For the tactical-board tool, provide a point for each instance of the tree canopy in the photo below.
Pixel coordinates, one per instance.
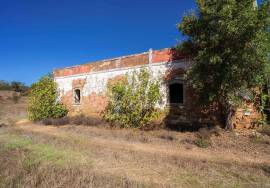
(229, 41)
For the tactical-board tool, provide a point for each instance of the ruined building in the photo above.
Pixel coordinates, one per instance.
(82, 88)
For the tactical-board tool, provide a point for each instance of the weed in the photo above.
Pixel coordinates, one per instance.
(204, 133)
(258, 139)
(16, 143)
(47, 154)
(41, 153)
(202, 143)
(265, 130)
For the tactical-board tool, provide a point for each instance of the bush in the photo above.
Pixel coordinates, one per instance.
(43, 101)
(133, 100)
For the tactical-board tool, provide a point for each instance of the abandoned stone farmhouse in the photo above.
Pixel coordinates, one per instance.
(82, 88)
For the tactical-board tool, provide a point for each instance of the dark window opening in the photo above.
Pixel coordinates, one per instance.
(77, 96)
(176, 91)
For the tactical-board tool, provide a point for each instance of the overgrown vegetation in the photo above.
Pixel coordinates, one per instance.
(230, 41)
(133, 100)
(43, 102)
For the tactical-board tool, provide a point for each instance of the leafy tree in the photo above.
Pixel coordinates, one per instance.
(133, 100)
(43, 102)
(229, 42)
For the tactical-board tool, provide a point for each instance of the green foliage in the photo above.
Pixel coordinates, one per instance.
(202, 143)
(257, 139)
(43, 101)
(132, 101)
(229, 41)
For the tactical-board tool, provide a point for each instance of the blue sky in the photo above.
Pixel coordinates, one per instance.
(37, 36)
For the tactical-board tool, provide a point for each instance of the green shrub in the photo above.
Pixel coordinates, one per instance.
(43, 101)
(133, 100)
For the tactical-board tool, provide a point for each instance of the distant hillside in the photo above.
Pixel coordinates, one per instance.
(14, 86)
(13, 107)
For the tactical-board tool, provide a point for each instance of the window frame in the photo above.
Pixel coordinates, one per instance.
(74, 94)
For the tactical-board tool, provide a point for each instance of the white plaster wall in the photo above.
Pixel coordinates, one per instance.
(97, 81)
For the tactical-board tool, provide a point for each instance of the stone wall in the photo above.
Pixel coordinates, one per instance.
(92, 80)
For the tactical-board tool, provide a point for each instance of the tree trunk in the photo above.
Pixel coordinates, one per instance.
(229, 119)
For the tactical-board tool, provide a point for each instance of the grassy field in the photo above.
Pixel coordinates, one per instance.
(34, 155)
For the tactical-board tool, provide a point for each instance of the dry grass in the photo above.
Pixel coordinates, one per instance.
(33, 155)
(75, 120)
(10, 111)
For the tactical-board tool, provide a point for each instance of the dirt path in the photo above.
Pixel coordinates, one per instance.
(125, 157)
(158, 161)
(152, 148)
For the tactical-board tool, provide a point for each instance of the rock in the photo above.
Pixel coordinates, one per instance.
(2, 125)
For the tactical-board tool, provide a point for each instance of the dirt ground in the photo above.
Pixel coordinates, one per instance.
(34, 155)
